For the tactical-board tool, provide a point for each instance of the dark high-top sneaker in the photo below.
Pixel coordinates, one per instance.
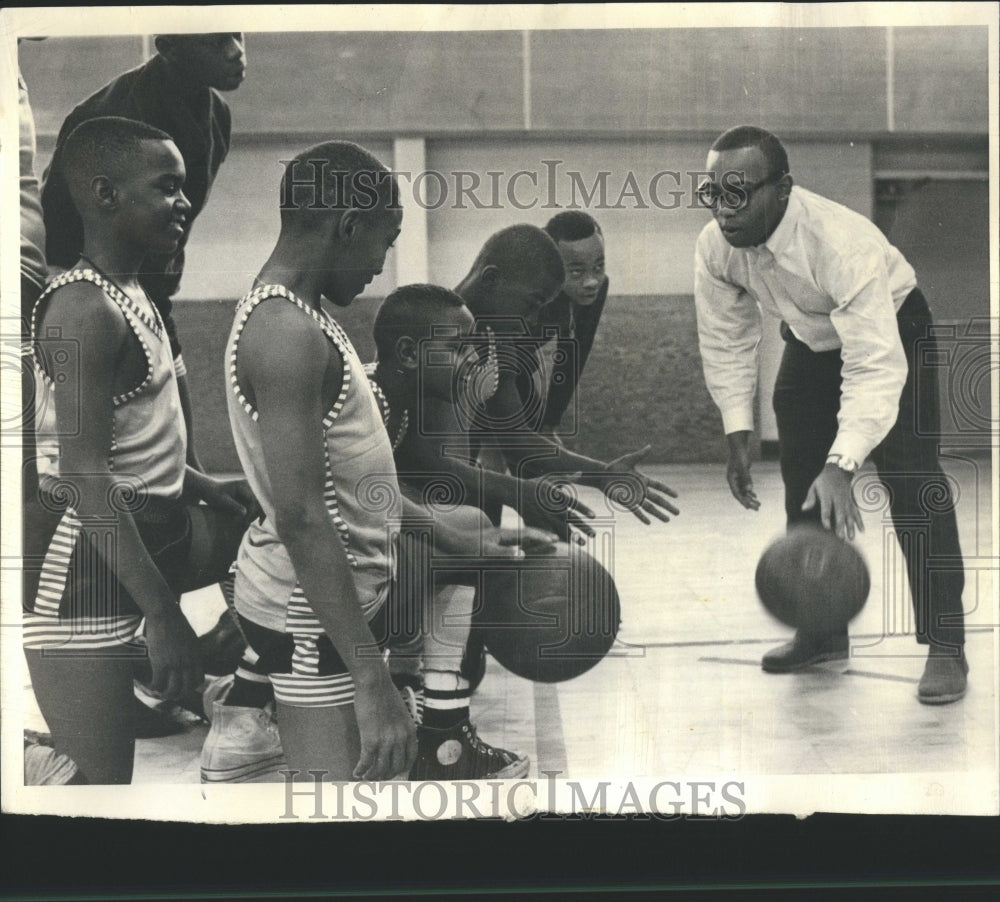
(457, 753)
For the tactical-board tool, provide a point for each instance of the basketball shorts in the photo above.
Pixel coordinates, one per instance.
(72, 598)
(304, 668)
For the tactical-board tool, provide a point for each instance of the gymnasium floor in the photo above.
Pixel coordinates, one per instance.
(683, 693)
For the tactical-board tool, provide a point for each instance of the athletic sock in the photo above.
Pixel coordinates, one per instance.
(249, 690)
(446, 699)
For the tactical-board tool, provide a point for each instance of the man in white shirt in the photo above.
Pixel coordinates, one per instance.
(848, 387)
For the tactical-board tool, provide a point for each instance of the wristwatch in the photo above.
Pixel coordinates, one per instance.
(847, 464)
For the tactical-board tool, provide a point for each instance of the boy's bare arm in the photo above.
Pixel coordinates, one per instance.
(283, 365)
(525, 450)
(618, 479)
(467, 533)
(546, 507)
(188, 414)
(85, 414)
(232, 495)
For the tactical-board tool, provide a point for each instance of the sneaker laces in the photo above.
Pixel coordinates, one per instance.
(481, 747)
(267, 716)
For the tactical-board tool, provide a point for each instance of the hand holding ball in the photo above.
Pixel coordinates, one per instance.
(550, 618)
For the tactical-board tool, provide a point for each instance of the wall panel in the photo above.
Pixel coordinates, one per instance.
(395, 82)
(941, 79)
(61, 72)
(808, 79)
(650, 250)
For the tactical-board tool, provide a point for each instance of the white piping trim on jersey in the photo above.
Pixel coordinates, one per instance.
(129, 309)
(383, 401)
(384, 409)
(341, 342)
(331, 329)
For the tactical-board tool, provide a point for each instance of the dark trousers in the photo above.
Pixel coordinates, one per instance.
(806, 402)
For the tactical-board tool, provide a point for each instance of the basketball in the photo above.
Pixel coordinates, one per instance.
(550, 618)
(812, 580)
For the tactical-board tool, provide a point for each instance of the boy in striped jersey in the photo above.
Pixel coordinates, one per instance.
(426, 371)
(314, 575)
(126, 532)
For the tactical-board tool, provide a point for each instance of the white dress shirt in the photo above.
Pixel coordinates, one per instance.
(832, 276)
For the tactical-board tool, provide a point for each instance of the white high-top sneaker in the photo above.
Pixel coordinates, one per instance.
(242, 746)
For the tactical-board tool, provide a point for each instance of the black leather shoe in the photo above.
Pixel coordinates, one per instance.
(804, 651)
(945, 678)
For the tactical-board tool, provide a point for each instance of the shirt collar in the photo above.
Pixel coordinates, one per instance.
(781, 236)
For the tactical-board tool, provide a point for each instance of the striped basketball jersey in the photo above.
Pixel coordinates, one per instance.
(360, 491)
(146, 457)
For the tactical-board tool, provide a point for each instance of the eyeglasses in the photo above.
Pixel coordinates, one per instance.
(733, 196)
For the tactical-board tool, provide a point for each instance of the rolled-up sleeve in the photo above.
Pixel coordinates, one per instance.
(874, 363)
(729, 332)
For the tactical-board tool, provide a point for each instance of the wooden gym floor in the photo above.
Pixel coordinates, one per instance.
(682, 694)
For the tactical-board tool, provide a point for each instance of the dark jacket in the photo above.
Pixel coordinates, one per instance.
(572, 353)
(200, 124)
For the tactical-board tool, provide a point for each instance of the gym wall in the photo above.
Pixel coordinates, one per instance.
(859, 108)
